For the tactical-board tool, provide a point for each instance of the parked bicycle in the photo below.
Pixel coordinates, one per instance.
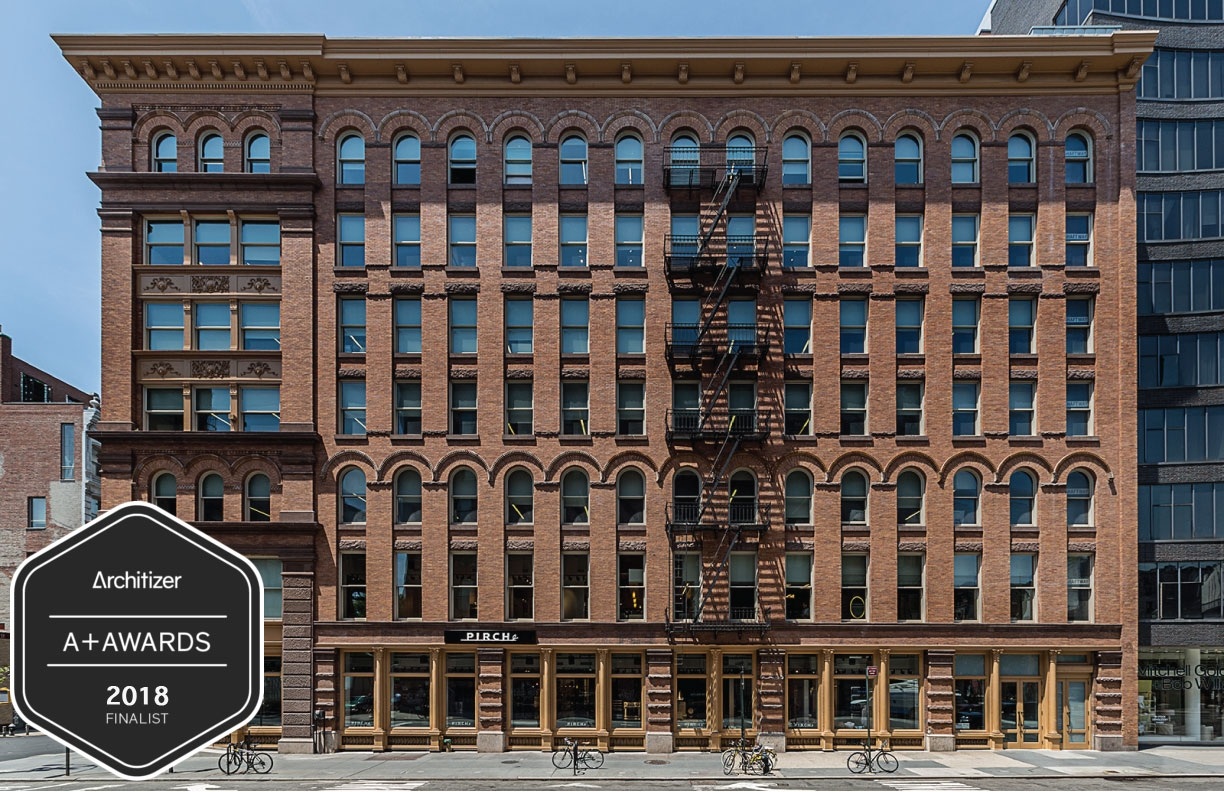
(872, 760)
(749, 759)
(243, 758)
(577, 756)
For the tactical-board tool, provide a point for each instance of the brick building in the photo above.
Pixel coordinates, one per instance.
(607, 495)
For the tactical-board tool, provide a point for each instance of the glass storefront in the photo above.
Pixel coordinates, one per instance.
(1181, 695)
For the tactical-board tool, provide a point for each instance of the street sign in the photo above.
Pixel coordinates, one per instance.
(873, 670)
(137, 640)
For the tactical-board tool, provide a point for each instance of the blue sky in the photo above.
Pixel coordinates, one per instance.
(49, 267)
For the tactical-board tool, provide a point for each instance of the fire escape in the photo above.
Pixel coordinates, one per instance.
(717, 345)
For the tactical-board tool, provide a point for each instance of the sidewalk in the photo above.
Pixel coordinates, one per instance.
(535, 766)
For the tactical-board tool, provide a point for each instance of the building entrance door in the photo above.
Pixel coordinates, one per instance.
(1021, 713)
(1072, 712)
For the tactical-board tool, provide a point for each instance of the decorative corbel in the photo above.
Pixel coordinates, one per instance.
(966, 71)
(150, 69)
(108, 69)
(907, 74)
(457, 70)
(795, 72)
(216, 70)
(239, 70)
(1132, 68)
(193, 70)
(285, 72)
(571, 73)
(626, 73)
(87, 70)
(261, 69)
(171, 69)
(308, 71)
(851, 72)
(129, 69)
(345, 77)
(401, 73)
(682, 74)
(739, 74)
(1081, 72)
(1022, 74)
(516, 74)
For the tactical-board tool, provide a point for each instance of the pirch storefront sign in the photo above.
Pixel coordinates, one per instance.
(490, 636)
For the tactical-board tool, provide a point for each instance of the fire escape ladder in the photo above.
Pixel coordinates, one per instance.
(723, 194)
(728, 539)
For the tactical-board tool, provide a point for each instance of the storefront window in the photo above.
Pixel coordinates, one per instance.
(802, 691)
(359, 689)
(737, 691)
(904, 685)
(270, 711)
(970, 674)
(525, 690)
(575, 690)
(410, 690)
(690, 691)
(851, 703)
(461, 690)
(626, 691)
(1181, 695)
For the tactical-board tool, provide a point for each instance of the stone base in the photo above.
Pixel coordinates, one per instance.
(490, 742)
(295, 745)
(1110, 743)
(940, 742)
(775, 740)
(660, 742)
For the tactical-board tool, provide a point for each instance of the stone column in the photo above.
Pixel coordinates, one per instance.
(298, 668)
(883, 700)
(659, 697)
(603, 697)
(490, 695)
(825, 704)
(993, 706)
(1193, 699)
(941, 700)
(437, 698)
(1052, 736)
(382, 710)
(1107, 705)
(548, 683)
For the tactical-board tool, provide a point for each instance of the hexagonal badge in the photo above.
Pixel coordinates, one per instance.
(137, 640)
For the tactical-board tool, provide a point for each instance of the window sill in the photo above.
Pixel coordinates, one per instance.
(1030, 271)
(351, 438)
(854, 439)
(519, 439)
(912, 440)
(413, 272)
(911, 358)
(1025, 440)
(968, 272)
(1023, 357)
(967, 358)
(519, 272)
(575, 439)
(800, 438)
(349, 271)
(801, 358)
(633, 439)
(451, 269)
(968, 440)
(407, 437)
(36, 527)
(574, 271)
(463, 438)
(1087, 440)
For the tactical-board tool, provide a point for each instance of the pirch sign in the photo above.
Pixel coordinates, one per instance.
(490, 636)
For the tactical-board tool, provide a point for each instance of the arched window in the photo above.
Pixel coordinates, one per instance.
(408, 497)
(350, 160)
(211, 507)
(851, 158)
(686, 497)
(463, 496)
(964, 159)
(966, 491)
(911, 495)
(907, 159)
(1079, 498)
(1022, 491)
(212, 154)
(854, 499)
(463, 160)
(258, 497)
(575, 498)
(520, 498)
(408, 160)
(258, 157)
(798, 498)
(743, 496)
(1079, 158)
(684, 160)
(741, 154)
(630, 498)
(574, 160)
(629, 156)
(1020, 164)
(352, 496)
(165, 492)
(796, 160)
(518, 160)
(165, 153)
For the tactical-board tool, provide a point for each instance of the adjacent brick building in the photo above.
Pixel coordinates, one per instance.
(606, 493)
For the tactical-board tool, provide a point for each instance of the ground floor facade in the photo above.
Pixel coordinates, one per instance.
(1181, 694)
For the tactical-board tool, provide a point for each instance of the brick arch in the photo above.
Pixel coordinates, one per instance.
(569, 459)
(247, 466)
(456, 122)
(344, 120)
(975, 121)
(910, 459)
(203, 463)
(915, 120)
(568, 120)
(197, 123)
(442, 470)
(248, 120)
(510, 120)
(1021, 459)
(625, 120)
(152, 123)
(349, 457)
(397, 121)
(1086, 459)
(1026, 119)
(685, 120)
(612, 468)
(151, 467)
(510, 458)
(972, 459)
(860, 120)
(799, 120)
(752, 122)
(805, 460)
(680, 461)
(853, 459)
(400, 458)
(1090, 121)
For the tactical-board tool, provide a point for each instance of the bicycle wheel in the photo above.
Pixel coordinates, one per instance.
(857, 762)
(728, 761)
(261, 763)
(592, 758)
(562, 758)
(772, 755)
(229, 763)
(886, 762)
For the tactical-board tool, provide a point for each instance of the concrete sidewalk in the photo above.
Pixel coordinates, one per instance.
(535, 766)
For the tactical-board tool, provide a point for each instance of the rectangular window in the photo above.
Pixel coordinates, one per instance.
(461, 236)
(853, 316)
(965, 409)
(1079, 325)
(910, 311)
(259, 409)
(1079, 409)
(686, 585)
(353, 407)
(799, 586)
(631, 408)
(516, 230)
(353, 325)
(630, 326)
(261, 243)
(1020, 240)
(575, 408)
(519, 408)
(164, 243)
(1023, 587)
(164, 409)
(965, 240)
(352, 585)
(964, 325)
(573, 240)
(798, 408)
(408, 586)
(408, 325)
(67, 452)
(628, 240)
(575, 326)
(212, 242)
(852, 241)
(741, 240)
(911, 588)
(797, 326)
(1021, 422)
(520, 586)
(1079, 240)
(854, 586)
(1079, 587)
(519, 326)
(164, 326)
(909, 409)
(212, 410)
(742, 575)
(970, 674)
(462, 326)
(796, 240)
(211, 326)
(271, 573)
(965, 567)
(908, 252)
(350, 236)
(463, 408)
(259, 325)
(463, 586)
(575, 586)
(854, 408)
(36, 512)
(1021, 315)
(408, 408)
(631, 586)
(408, 240)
